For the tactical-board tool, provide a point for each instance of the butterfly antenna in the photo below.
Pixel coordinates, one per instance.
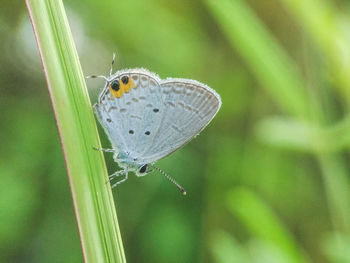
(97, 76)
(169, 178)
(112, 64)
(101, 76)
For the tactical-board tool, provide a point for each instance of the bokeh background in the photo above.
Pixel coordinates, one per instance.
(267, 180)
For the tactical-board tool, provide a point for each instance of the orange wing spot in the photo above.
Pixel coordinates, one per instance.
(122, 88)
(119, 93)
(115, 93)
(128, 85)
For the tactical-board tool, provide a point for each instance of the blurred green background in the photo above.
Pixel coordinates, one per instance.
(267, 180)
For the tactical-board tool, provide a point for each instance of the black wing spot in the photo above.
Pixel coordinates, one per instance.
(143, 169)
(131, 131)
(109, 120)
(147, 132)
(155, 110)
(125, 79)
(115, 85)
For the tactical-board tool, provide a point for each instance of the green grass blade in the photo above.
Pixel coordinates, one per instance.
(336, 183)
(329, 27)
(226, 249)
(304, 136)
(263, 54)
(92, 197)
(263, 223)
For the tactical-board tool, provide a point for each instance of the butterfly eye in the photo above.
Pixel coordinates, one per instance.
(125, 80)
(115, 85)
(143, 169)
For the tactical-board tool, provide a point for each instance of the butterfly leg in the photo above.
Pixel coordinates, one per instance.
(104, 150)
(123, 180)
(116, 174)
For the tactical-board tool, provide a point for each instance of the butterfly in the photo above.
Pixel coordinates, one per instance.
(146, 118)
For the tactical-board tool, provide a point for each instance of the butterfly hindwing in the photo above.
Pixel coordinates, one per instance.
(188, 107)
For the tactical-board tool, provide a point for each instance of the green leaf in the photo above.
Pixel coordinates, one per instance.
(304, 136)
(336, 247)
(263, 54)
(262, 223)
(288, 133)
(329, 29)
(226, 248)
(92, 196)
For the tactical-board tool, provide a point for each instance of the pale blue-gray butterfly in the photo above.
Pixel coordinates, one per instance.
(147, 118)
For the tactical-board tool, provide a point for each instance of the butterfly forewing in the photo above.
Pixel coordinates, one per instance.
(134, 116)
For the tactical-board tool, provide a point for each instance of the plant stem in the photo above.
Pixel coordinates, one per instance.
(92, 196)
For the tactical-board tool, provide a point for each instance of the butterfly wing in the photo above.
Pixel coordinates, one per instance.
(187, 107)
(131, 118)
